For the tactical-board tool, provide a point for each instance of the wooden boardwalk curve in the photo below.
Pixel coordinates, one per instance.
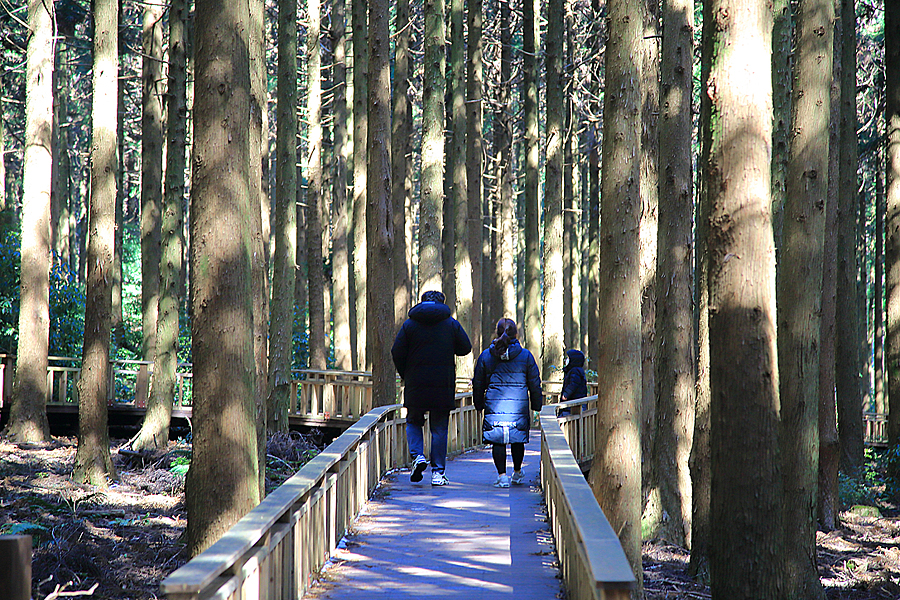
(468, 540)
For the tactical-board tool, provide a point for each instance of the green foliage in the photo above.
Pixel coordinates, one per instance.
(180, 465)
(66, 301)
(878, 481)
(300, 340)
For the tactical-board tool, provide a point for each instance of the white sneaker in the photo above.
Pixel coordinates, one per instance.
(502, 481)
(518, 477)
(419, 467)
(439, 479)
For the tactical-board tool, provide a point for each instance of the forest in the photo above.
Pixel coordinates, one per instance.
(703, 197)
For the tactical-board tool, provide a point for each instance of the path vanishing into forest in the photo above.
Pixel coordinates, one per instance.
(467, 540)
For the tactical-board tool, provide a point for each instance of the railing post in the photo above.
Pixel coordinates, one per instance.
(15, 566)
(142, 386)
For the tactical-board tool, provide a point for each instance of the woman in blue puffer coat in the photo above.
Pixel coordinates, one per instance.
(507, 387)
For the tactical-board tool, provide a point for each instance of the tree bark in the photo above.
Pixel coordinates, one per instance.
(849, 364)
(151, 172)
(340, 250)
(675, 371)
(360, 139)
(318, 344)
(892, 202)
(93, 464)
(28, 414)
(594, 140)
(616, 472)
(223, 481)
(746, 500)
(474, 166)
(800, 292)
(431, 210)
(284, 272)
(531, 330)
(379, 220)
(401, 130)
(154, 433)
(553, 330)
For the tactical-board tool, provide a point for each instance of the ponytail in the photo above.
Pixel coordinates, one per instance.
(506, 333)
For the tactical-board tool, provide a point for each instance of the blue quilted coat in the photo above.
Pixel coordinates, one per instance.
(507, 387)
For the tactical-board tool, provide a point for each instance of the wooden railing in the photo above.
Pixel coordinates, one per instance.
(592, 561)
(276, 550)
(331, 394)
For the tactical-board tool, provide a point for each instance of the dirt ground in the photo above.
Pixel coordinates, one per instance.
(127, 538)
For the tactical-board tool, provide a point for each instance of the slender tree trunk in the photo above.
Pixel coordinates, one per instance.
(62, 169)
(829, 447)
(892, 202)
(151, 172)
(474, 166)
(649, 152)
(223, 481)
(318, 346)
(93, 464)
(431, 215)
(340, 252)
(552, 355)
(880, 401)
(259, 223)
(594, 139)
(379, 220)
(154, 433)
(800, 292)
(530, 103)
(284, 267)
(849, 365)
(121, 173)
(745, 551)
(401, 129)
(28, 415)
(456, 167)
(360, 137)
(675, 371)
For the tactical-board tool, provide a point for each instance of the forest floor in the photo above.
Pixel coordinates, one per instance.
(127, 538)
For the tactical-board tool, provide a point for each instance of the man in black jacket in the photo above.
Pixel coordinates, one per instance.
(424, 353)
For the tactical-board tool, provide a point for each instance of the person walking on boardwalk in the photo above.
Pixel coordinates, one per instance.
(424, 353)
(507, 387)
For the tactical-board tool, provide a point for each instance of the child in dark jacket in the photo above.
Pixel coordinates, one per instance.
(574, 381)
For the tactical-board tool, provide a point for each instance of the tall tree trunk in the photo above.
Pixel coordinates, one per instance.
(594, 139)
(880, 401)
(223, 481)
(151, 172)
(675, 369)
(474, 166)
(118, 330)
(849, 365)
(401, 193)
(800, 292)
(456, 160)
(552, 355)
(531, 331)
(829, 447)
(360, 139)
(93, 464)
(284, 268)
(154, 433)
(431, 215)
(892, 202)
(259, 222)
(572, 236)
(745, 552)
(506, 207)
(649, 151)
(379, 220)
(318, 345)
(62, 169)
(28, 415)
(340, 249)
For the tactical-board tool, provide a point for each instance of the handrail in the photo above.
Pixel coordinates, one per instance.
(276, 549)
(591, 558)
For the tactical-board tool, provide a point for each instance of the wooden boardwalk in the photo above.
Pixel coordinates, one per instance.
(468, 540)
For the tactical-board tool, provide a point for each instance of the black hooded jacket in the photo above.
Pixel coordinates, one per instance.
(424, 353)
(574, 382)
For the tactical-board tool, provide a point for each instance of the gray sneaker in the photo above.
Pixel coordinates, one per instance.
(518, 477)
(439, 479)
(419, 466)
